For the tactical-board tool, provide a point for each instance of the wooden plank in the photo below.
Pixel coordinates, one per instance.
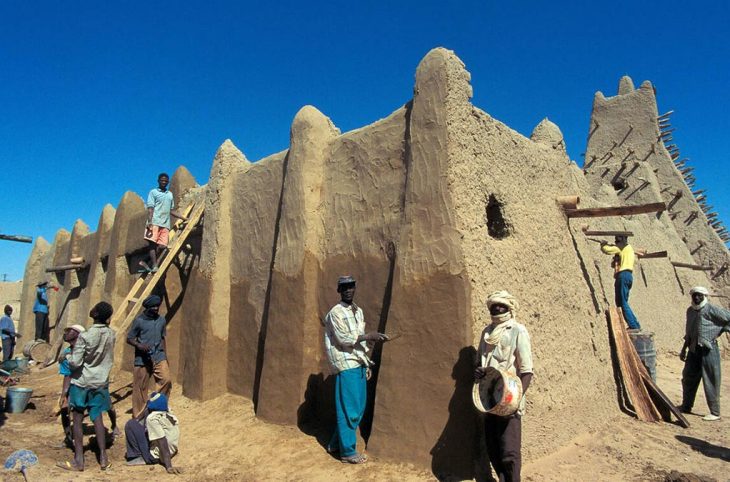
(608, 233)
(155, 278)
(616, 210)
(633, 384)
(662, 401)
(695, 267)
(655, 254)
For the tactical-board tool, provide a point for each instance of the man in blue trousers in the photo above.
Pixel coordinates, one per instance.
(625, 255)
(345, 343)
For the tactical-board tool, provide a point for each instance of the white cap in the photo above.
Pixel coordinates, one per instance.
(78, 328)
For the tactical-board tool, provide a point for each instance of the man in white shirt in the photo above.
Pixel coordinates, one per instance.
(505, 344)
(345, 344)
(153, 436)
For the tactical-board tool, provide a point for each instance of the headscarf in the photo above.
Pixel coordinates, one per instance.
(701, 290)
(506, 299)
(157, 402)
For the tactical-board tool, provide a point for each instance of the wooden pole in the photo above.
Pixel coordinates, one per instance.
(65, 267)
(695, 267)
(606, 233)
(19, 239)
(616, 210)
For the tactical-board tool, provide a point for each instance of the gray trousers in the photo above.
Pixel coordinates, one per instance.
(702, 364)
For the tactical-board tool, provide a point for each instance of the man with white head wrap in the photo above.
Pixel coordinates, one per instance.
(705, 322)
(505, 344)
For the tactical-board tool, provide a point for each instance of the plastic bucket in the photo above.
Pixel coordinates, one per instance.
(644, 344)
(498, 393)
(16, 399)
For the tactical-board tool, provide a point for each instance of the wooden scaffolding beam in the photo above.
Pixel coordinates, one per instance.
(616, 210)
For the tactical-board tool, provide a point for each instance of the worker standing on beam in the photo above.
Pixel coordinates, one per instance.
(625, 257)
(40, 309)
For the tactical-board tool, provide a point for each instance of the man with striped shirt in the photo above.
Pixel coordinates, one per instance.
(345, 343)
(705, 322)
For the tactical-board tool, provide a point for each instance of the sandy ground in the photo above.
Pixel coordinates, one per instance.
(222, 440)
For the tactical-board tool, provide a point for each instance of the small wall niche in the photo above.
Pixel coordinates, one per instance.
(497, 225)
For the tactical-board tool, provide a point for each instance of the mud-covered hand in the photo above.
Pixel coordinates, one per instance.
(683, 354)
(479, 372)
(374, 337)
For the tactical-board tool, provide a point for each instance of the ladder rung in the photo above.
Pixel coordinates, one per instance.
(133, 300)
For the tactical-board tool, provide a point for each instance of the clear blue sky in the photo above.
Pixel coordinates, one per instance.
(96, 99)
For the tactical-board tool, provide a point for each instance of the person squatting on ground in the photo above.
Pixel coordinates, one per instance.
(624, 276)
(70, 335)
(153, 436)
(345, 344)
(147, 336)
(160, 205)
(91, 362)
(505, 344)
(7, 333)
(705, 322)
(40, 309)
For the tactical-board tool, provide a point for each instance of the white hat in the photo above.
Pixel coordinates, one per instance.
(78, 328)
(699, 289)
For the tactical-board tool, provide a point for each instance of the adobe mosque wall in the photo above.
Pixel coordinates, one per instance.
(430, 209)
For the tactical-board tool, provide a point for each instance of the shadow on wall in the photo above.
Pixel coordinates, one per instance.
(456, 452)
(316, 415)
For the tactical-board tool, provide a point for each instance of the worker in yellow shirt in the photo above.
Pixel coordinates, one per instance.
(624, 277)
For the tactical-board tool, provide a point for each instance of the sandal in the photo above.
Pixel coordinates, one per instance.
(354, 459)
(66, 465)
(106, 467)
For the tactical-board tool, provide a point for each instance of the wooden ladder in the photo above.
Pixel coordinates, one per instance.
(142, 288)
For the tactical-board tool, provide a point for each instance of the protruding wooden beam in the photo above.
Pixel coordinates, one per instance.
(65, 267)
(568, 202)
(695, 267)
(587, 232)
(616, 211)
(665, 115)
(652, 255)
(16, 238)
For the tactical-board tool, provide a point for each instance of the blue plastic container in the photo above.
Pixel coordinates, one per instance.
(17, 398)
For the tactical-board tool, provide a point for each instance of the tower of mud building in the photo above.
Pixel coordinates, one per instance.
(628, 156)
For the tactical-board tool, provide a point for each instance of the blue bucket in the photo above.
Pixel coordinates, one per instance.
(16, 399)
